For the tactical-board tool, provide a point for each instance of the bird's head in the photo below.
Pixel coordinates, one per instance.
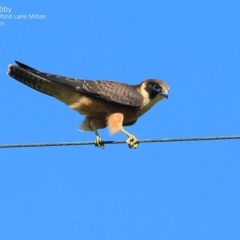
(153, 90)
(156, 89)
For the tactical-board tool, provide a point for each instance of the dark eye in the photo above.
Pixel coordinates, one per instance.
(156, 87)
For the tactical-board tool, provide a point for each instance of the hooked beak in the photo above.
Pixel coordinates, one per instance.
(165, 93)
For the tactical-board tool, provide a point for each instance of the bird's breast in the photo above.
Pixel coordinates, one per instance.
(101, 108)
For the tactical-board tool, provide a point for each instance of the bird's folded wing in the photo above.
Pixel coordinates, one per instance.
(53, 85)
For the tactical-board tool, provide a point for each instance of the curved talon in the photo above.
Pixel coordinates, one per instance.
(99, 143)
(132, 142)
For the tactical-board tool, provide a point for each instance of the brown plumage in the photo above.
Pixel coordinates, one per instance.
(105, 103)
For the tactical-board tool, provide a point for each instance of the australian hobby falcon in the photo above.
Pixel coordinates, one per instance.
(104, 103)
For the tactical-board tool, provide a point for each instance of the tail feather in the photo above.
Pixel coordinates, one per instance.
(28, 78)
(41, 82)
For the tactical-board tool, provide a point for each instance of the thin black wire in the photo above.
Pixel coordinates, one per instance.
(61, 144)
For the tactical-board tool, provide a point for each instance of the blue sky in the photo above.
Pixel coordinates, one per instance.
(187, 190)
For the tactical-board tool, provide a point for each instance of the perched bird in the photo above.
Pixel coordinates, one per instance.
(104, 103)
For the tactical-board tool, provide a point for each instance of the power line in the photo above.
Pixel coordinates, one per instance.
(162, 140)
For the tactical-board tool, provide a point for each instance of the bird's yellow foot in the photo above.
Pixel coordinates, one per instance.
(99, 142)
(132, 141)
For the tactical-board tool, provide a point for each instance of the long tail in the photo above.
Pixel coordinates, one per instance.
(46, 83)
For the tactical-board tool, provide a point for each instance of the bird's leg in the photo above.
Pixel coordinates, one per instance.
(98, 142)
(132, 140)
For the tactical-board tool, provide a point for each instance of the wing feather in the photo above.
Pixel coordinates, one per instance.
(116, 92)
